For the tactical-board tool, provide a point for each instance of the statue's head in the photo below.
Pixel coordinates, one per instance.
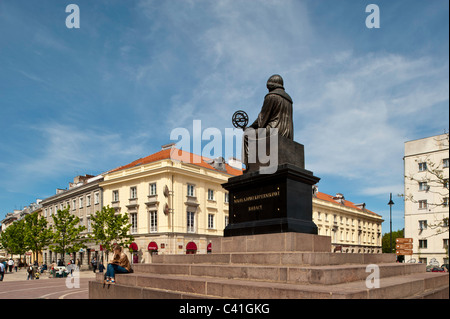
(275, 81)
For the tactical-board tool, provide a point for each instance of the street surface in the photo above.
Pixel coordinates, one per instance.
(16, 286)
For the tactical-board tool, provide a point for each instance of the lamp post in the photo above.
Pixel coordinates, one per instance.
(390, 221)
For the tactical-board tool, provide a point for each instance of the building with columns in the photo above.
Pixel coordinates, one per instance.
(174, 199)
(352, 227)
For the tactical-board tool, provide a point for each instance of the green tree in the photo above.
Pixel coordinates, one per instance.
(109, 228)
(385, 240)
(12, 239)
(37, 234)
(66, 233)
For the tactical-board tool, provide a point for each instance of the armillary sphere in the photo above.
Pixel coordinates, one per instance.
(240, 119)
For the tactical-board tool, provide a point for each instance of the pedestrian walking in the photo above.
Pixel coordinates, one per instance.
(10, 264)
(94, 264)
(2, 271)
(30, 272)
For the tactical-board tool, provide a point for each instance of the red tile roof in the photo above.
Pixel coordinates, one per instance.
(345, 203)
(183, 156)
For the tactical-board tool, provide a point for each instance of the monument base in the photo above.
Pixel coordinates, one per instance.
(271, 203)
(279, 242)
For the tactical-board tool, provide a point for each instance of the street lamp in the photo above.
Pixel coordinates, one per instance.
(390, 220)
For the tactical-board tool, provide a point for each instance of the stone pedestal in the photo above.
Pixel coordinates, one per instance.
(273, 203)
(280, 242)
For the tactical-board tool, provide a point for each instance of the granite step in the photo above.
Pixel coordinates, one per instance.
(180, 286)
(276, 258)
(325, 275)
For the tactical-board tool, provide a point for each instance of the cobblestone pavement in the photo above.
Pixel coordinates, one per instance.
(16, 286)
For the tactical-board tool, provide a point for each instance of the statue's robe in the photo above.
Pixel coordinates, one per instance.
(276, 112)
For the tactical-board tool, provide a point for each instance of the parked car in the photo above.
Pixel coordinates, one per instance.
(438, 269)
(445, 266)
(429, 268)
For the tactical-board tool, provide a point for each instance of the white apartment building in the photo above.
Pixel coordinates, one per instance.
(426, 164)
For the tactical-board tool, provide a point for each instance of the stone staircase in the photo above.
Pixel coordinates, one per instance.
(244, 273)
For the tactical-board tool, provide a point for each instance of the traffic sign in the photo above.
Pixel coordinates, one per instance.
(404, 246)
(403, 240)
(404, 252)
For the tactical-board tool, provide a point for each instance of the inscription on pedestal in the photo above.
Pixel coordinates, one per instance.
(257, 204)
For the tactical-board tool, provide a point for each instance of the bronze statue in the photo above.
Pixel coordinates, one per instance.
(276, 112)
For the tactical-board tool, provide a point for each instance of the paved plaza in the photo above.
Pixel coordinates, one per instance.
(16, 286)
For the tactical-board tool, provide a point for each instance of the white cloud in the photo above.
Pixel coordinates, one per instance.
(69, 150)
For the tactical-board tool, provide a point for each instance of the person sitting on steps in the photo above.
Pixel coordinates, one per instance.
(119, 264)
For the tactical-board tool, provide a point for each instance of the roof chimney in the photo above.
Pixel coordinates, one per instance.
(339, 198)
(167, 146)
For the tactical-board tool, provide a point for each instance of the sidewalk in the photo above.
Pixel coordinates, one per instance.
(21, 275)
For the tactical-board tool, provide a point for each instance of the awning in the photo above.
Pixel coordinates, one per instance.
(133, 247)
(152, 246)
(191, 246)
(208, 248)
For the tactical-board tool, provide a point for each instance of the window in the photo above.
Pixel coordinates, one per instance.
(423, 243)
(227, 221)
(153, 221)
(96, 198)
(133, 217)
(423, 186)
(115, 197)
(89, 225)
(45, 212)
(152, 190)
(81, 202)
(445, 163)
(445, 243)
(423, 224)
(210, 194)
(190, 190)
(422, 167)
(190, 222)
(133, 192)
(445, 184)
(445, 202)
(74, 203)
(423, 204)
(210, 221)
(88, 200)
(227, 198)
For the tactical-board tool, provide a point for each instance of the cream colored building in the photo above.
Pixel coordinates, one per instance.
(175, 206)
(352, 227)
(426, 198)
(84, 197)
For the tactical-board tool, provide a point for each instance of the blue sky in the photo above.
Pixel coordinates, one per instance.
(83, 101)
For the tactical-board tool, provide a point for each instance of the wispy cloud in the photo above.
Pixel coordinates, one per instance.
(69, 150)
